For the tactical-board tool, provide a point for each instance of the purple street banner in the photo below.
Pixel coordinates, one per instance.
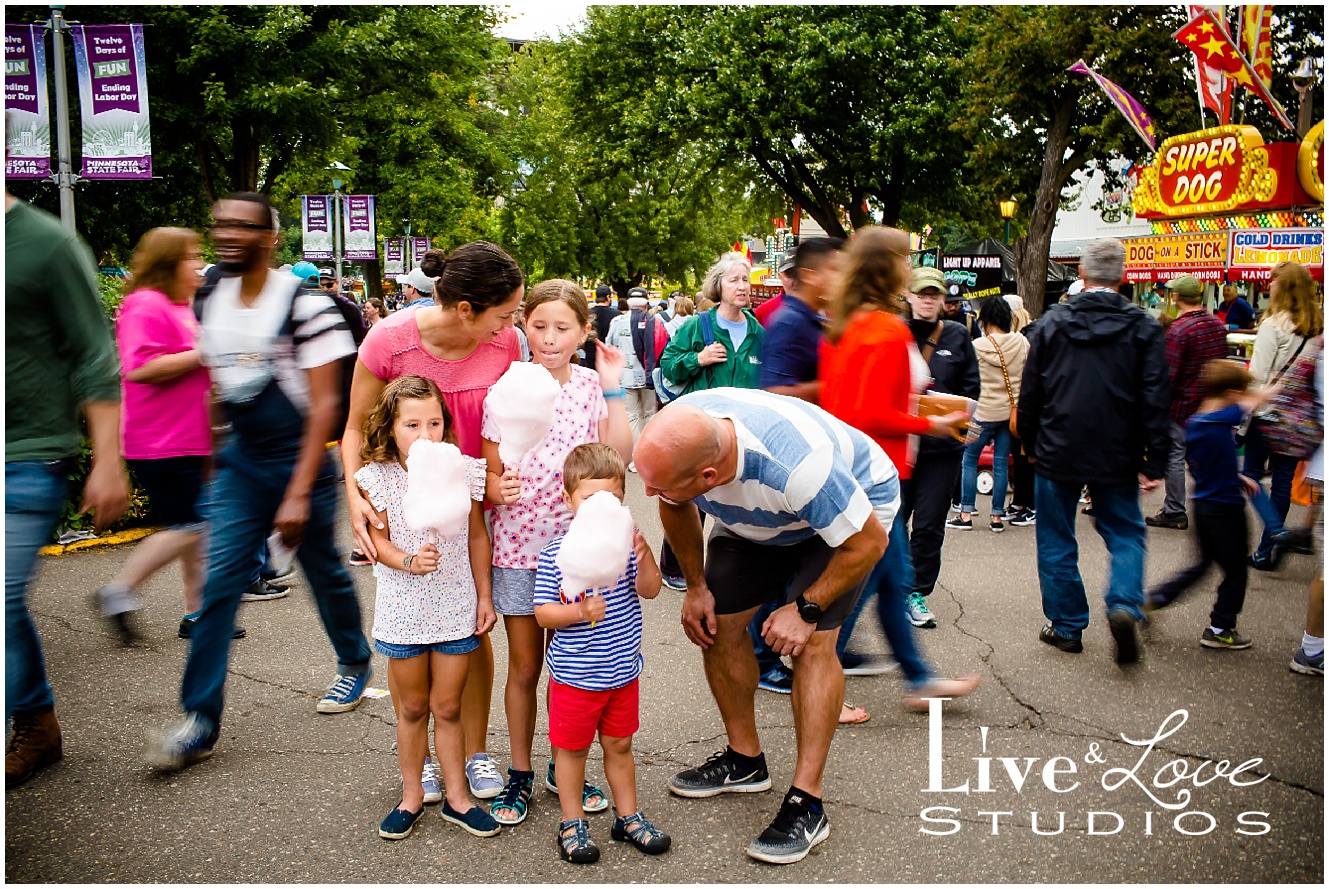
(1132, 110)
(113, 98)
(419, 247)
(316, 222)
(359, 241)
(29, 145)
(394, 261)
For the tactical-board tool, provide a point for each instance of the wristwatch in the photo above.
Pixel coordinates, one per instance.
(810, 611)
(406, 562)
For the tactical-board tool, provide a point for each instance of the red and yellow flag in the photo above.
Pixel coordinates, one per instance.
(1205, 37)
(1256, 42)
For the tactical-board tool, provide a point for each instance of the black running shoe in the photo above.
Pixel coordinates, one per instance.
(1122, 624)
(722, 773)
(796, 829)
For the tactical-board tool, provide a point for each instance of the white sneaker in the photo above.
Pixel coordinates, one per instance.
(632, 467)
(917, 610)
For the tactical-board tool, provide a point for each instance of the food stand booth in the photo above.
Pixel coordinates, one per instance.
(1226, 207)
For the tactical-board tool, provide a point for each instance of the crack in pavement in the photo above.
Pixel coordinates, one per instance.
(1033, 721)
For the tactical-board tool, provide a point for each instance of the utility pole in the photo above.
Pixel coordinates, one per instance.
(64, 176)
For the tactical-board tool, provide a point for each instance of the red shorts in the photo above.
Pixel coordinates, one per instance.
(575, 714)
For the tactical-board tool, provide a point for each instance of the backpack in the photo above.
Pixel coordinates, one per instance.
(1293, 423)
(667, 390)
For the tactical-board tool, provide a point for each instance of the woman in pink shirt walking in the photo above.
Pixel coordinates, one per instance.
(166, 436)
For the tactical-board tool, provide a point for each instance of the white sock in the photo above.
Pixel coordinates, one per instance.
(1312, 645)
(1216, 631)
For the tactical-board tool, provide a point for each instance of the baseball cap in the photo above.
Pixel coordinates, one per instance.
(925, 278)
(636, 292)
(603, 290)
(327, 273)
(1185, 285)
(954, 294)
(306, 271)
(419, 280)
(787, 263)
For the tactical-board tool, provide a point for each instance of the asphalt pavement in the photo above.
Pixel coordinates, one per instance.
(1194, 766)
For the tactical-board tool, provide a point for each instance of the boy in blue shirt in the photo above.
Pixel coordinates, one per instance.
(1218, 500)
(594, 661)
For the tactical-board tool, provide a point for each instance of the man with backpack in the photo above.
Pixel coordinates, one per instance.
(635, 334)
(273, 348)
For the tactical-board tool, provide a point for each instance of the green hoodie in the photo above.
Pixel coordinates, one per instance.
(679, 361)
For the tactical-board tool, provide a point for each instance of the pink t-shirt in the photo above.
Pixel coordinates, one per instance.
(522, 529)
(392, 349)
(169, 418)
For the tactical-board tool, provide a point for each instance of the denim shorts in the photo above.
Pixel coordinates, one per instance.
(459, 646)
(514, 591)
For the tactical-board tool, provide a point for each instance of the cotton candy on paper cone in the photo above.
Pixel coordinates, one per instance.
(521, 404)
(595, 552)
(438, 489)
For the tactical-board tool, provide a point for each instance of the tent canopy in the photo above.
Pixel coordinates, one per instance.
(993, 247)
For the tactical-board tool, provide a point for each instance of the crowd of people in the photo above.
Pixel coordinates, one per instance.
(828, 437)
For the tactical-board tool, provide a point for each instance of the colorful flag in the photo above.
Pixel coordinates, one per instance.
(29, 147)
(359, 242)
(741, 246)
(393, 252)
(113, 97)
(317, 226)
(1134, 112)
(1205, 37)
(1256, 42)
(1215, 89)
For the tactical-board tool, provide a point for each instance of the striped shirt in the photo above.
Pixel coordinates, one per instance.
(801, 472)
(597, 658)
(244, 347)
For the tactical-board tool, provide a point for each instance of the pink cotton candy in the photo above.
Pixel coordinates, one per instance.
(438, 490)
(595, 552)
(521, 404)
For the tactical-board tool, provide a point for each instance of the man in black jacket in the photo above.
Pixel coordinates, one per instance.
(1094, 411)
(926, 496)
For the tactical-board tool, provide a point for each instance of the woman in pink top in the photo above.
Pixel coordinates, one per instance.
(463, 343)
(166, 435)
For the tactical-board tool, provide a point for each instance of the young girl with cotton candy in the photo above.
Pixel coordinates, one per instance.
(528, 506)
(433, 596)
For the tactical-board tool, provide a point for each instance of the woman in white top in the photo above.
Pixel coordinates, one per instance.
(1294, 316)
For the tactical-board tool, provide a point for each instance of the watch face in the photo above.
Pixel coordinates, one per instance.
(809, 611)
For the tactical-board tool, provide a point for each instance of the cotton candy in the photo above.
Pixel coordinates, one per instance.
(438, 490)
(595, 551)
(522, 406)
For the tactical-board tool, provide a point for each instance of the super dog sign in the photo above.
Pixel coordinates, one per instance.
(1211, 171)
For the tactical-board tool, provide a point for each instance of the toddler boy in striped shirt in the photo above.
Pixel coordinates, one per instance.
(594, 662)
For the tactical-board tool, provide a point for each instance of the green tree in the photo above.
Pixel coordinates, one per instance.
(1035, 125)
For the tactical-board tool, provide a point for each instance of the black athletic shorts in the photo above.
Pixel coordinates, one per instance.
(742, 574)
(173, 485)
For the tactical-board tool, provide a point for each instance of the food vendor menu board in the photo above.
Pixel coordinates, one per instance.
(1255, 253)
(1160, 257)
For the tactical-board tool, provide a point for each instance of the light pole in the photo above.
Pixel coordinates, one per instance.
(1007, 211)
(339, 167)
(64, 177)
(1303, 79)
(408, 248)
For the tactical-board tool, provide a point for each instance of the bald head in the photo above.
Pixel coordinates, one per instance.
(680, 449)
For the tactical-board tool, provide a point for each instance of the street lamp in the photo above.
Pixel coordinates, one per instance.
(1007, 211)
(1303, 79)
(338, 167)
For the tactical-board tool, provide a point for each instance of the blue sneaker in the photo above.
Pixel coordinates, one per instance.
(429, 780)
(777, 679)
(188, 741)
(345, 693)
(399, 824)
(475, 820)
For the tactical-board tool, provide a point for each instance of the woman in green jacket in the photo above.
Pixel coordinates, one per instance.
(719, 347)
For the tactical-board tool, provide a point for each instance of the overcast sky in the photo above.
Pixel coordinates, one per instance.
(527, 19)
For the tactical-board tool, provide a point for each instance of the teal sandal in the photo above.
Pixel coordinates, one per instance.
(515, 798)
(588, 790)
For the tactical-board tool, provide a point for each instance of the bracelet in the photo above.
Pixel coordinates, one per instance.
(617, 393)
(406, 562)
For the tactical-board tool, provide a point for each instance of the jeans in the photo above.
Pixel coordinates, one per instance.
(1221, 529)
(892, 579)
(1118, 521)
(1281, 470)
(247, 491)
(999, 433)
(924, 502)
(35, 492)
(1174, 480)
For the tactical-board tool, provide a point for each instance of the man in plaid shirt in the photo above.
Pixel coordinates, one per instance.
(1193, 340)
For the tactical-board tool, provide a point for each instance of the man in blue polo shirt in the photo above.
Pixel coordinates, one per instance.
(802, 504)
(789, 349)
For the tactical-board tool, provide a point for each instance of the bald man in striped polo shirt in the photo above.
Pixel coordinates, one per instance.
(802, 504)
